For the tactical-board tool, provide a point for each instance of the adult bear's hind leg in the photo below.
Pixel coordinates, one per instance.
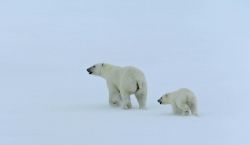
(193, 109)
(141, 99)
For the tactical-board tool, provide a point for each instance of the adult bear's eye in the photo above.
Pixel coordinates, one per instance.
(94, 66)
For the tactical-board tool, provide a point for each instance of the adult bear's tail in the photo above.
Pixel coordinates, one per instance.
(140, 84)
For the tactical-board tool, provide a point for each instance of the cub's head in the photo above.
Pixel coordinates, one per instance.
(96, 69)
(164, 99)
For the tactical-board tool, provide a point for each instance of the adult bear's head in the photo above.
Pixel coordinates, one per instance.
(96, 69)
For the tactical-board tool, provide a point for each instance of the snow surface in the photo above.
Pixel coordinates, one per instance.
(48, 98)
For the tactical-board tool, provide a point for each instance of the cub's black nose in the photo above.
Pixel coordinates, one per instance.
(159, 101)
(89, 71)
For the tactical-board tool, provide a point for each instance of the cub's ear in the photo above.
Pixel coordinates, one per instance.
(102, 64)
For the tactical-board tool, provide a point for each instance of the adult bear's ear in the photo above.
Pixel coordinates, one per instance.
(102, 64)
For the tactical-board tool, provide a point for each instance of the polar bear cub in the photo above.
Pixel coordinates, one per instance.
(122, 82)
(183, 101)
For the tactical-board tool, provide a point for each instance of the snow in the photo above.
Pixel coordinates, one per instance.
(48, 98)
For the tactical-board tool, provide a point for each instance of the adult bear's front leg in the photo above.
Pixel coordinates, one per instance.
(125, 100)
(114, 100)
(114, 96)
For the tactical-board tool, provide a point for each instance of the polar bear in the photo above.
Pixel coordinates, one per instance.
(183, 101)
(122, 82)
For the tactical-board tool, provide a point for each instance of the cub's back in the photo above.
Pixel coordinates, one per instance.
(184, 94)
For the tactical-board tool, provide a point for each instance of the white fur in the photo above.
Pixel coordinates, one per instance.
(122, 82)
(183, 101)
